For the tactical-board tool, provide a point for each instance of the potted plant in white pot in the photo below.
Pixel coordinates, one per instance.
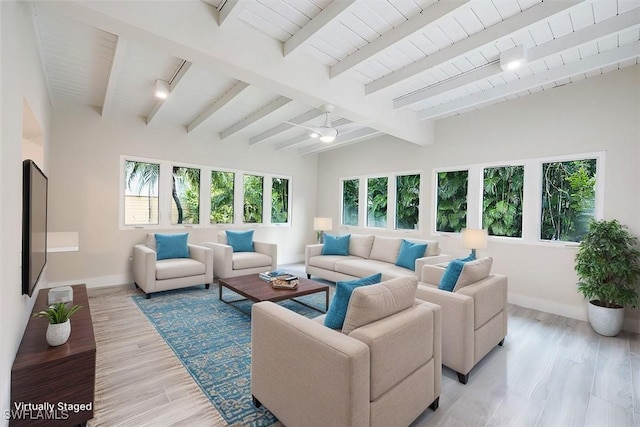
(59, 328)
(608, 270)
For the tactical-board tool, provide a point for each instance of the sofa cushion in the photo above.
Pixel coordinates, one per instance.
(328, 262)
(433, 246)
(335, 245)
(172, 246)
(385, 249)
(359, 267)
(244, 260)
(473, 272)
(340, 301)
(241, 241)
(178, 267)
(371, 303)
(360, 245)
(451, 274)
(409, 253)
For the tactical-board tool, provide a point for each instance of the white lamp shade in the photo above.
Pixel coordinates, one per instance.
(474, 238)
(322, 224)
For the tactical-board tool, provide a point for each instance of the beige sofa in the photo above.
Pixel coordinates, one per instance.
(474, 315)
(227, 263)
(384, 368)
(368, 255)
(152, 275)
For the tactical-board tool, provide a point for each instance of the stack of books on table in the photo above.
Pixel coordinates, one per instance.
(280, 279)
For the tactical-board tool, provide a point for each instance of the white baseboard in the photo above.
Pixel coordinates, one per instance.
(573, 312)
(291, 259)
(97, 282)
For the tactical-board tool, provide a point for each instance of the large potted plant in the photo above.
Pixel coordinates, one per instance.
(59, 328)
(608, 270)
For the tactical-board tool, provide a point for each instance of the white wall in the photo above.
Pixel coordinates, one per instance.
(598, 114)
(21, 78)
(84, 189)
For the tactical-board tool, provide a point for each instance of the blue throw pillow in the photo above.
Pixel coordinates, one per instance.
(336, 245)
(172, 246)
(241, 241)
(340, 301)
(409, 253)
(452, 273)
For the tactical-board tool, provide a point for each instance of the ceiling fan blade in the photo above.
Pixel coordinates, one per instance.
(310, 128)
(351, 127)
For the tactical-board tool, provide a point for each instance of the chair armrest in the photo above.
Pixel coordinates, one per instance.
(312, 250)
(489, 297)
(414, 333)
(290, 352)
(432, 274)
(457, 326)
(430, 260)
(269, 249)
(205, 256)
(144, 267)
(222, 259)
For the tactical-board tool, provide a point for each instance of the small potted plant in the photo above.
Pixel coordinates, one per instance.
(608, 270)
(59, 328)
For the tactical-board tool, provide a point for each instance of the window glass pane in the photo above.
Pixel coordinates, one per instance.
(253, 188)
(502, 201)
(279, 200)
(568, 199)
(377, 202)
(452, 201)
(222, 185)
(407, 202)
(350, 195)
(141, 192)
(185, 196)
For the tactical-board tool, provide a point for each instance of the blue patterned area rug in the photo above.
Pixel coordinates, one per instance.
(213, 341)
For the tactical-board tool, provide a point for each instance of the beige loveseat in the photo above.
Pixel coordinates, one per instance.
(383, 369)
(368, 255)
(474, 315)
(227, 263)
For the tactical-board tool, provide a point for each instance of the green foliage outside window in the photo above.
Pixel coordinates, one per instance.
(141, 180)
(451, 213)
(568, 199)
(279, 200)
(502, 201)
(252, 204)
(222, 187)
(377, 202)
(350, 199)
(185, 193)
(407, 201)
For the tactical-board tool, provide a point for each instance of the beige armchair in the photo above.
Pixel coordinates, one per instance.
(153, 275)
(227, 263)
(474, 316)
(386, 371)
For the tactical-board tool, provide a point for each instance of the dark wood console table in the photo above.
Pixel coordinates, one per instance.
(55, 385)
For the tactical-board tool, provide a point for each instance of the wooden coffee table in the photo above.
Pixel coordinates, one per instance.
(251, 287)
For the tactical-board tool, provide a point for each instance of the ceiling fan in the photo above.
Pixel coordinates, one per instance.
(326, 132)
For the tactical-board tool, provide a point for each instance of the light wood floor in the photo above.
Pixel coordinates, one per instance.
(552, 371)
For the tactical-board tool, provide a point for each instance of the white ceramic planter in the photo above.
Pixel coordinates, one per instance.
(58, 333)
(605, 321)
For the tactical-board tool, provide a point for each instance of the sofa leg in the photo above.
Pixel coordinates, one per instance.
(501, 343)
(148, 296)
(308, 276)
(434, 404)
(463, 378)
(206, 286)
(256, 402)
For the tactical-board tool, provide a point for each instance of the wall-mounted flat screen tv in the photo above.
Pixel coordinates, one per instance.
(34, 225)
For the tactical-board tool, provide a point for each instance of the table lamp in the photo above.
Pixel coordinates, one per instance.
(474, 238)
(320, 225)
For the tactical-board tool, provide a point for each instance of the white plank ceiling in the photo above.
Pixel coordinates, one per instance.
(389, 63)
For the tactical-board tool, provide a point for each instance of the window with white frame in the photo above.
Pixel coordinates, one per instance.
(160, 193)
(549, 199)
(392, 201)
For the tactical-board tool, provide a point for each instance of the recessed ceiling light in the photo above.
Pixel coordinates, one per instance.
(161, 89)
(512, 59)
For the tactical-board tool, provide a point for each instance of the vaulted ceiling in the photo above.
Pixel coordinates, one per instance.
(238, 70)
